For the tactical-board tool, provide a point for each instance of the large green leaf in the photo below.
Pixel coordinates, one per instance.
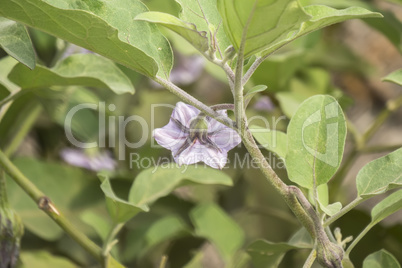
(43, 259)
(316, 140)
(14, 39)
(274, 23)
(187, 30)
(213, 223)
(105, 27)
(119, 209)
(380, 175)
(380, 259)
(154, 183)
(266, 254)
(272, 140)
(78, 69)
(386, 207)
(394, 77)
(205, 16)
(269, 21)
(70, 190)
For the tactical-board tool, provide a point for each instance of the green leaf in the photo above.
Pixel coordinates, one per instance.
(157, 182)
(270, 22)
(43, 259)
(316, 140)
(187, 30)
(6, 65)
(251, 93)
(164, 229)
(301, 239)
(272, 140)
(78, 69)
(321, 16)
(380, 175)
(205, 16)
(112, 31)
(284, 21)
(394, 77)
(213, 223)
(70, 190)
(267, 254)
(100, 224)
(331, 209)
(386, 207)
(119, 209)
(380, 259)
(14, 39)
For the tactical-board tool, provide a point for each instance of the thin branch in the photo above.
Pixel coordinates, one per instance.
(48, 207)
(253, 68)
(194, 102)
(344, 210)
(310, 259)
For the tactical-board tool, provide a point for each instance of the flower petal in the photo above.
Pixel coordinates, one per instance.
(169, 137)
(200, 153)
(226, 139)
(214, 125)
(184, 113)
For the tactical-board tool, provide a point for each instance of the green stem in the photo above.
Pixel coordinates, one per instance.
(3, 190)
(380, 149)
(344, 210)
(357, 239)
(47, 206)
(310, 259)
(25, 127)
(223, 106)
(109, 242)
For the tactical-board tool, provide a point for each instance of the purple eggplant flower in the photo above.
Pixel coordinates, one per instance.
(193, 138)
(97, 162)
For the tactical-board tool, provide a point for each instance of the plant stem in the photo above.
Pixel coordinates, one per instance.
(109, 242)
(47, 206)
(12, 96)
(310, 259)
(223, 106)
(194, 102)
(357, 239)
(253, 68)
(380, 149)
(344, 210)
(3, 190)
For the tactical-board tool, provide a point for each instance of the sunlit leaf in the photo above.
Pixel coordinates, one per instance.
(316, 140)
(213, 223)
(105, 27)
(6, 65)
(380, 175)
(205, 16)
(119, 209)
(187, 30)
(14, 39)
(380, 259)
(78, 69)
(270, 22)
(395, 77)
(157, 182)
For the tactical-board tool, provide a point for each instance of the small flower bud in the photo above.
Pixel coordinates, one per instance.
(11, 231)
(329, 254)
(230, 52)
